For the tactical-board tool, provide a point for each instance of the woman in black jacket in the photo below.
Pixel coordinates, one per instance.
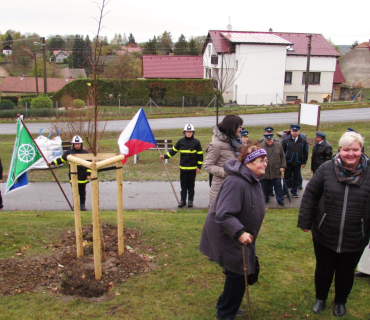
(335, 208)
(234, 220)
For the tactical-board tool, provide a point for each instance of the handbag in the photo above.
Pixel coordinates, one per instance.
(253, 277)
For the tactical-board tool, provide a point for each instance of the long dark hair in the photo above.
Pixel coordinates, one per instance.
(230, 125)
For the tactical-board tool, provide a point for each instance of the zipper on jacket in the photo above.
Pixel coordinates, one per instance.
(322, 220)
(343, 218)
(362, 227)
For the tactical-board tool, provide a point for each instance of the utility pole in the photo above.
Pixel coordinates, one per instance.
(307, 69)
(37, 85)
(44, 58)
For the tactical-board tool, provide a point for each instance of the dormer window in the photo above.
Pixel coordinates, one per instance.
(290, 48)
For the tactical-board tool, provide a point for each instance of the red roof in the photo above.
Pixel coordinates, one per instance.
(319, 45)
(338, 75)
(28, 84)
(172, 67)
(365, 45)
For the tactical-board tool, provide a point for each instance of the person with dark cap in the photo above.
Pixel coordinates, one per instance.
(191, 161)
(245, 137)
(268, 130)
(296, 154)
(83, 173)
(275, 166)
(321, 152)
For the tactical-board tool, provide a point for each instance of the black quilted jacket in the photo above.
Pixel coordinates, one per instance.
(338, 214)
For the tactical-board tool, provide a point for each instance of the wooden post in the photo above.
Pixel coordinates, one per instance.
(120, 231)
(95, 217)
(76, 206)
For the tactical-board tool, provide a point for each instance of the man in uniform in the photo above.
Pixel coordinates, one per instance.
(321, 152)
(245, 139)
(268, 130)
(276, 165)
(296, 154)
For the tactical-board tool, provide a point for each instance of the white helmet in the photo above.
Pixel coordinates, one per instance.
(189, 127)
(76, 139)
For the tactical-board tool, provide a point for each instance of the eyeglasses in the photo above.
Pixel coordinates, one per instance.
(262, 161)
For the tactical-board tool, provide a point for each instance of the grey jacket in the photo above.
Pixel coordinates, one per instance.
(338, 214)
(239, 207)
(276, 160)
(218, 152)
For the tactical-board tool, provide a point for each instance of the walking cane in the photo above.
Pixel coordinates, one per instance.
(246, 281)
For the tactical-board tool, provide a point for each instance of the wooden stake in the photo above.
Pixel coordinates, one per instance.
(168, 176)
(76, 205)
(120, 228)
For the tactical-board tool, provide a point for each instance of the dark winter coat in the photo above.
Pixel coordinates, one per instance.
(1, 170)
(296, 152)
(82, 172)
(338, 214)
(238, 207)
(191, 153)
(321, 153)
(276, 160)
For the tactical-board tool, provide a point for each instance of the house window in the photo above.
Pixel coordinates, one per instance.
(291, 98)
(313, 78)
(288, 77)
(214, 59)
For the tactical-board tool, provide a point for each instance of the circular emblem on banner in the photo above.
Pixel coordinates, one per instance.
(26, 153)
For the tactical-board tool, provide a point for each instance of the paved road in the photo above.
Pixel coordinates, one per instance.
(46, 196)
(206, 122)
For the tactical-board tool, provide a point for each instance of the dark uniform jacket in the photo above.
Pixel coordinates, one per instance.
(1, 170)
(338, 214)
(296, 152)
(238, 207)
(191, 153)
(321, 153)
(276, 160)
(82, 171)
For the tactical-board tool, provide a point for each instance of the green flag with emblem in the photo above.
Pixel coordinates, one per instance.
(25, 154)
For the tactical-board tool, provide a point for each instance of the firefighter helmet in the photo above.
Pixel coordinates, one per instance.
(76, 139)
(189, 127)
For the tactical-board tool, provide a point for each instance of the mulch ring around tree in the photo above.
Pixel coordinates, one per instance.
(61, 272)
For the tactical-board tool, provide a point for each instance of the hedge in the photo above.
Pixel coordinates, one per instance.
(6, 104)
(138, 92)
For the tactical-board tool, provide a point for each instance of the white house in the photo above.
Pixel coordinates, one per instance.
(61, 55)
(7, 50)
(268, 67)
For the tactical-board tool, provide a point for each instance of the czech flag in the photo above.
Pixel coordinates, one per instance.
(137, 136)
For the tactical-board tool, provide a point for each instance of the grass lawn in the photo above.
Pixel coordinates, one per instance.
(183, 284)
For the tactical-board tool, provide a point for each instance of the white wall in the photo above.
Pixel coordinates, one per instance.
(261, 73)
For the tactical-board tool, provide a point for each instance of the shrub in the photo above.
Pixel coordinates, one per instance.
(22, 102)
(41, 102)
(78, 104)
(6, 104)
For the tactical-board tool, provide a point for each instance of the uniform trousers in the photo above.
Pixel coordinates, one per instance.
(267, 185)
(293, 172)
(187, 182)
(328, 263)
(231, 298)
(82, 192)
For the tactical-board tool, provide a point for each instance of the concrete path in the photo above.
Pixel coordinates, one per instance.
(145, 195)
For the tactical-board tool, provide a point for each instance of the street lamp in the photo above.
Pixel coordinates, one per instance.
(42, 44)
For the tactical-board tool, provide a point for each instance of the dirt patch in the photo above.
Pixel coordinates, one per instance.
(61, 272)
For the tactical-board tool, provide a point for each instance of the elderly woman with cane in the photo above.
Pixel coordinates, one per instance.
(335, 207)
(234, 220)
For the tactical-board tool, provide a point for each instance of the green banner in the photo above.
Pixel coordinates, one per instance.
(25, 154)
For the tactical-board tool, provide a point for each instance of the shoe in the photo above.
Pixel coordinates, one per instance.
(339, 310)
(281, 203)
(272, 194)
(294, 195)
(240, 312)
(318, 306)
(285, 195)
(190, 203)
(182, 204)
(360, 274)
(300, 188)
(82, 207)
(267, 200)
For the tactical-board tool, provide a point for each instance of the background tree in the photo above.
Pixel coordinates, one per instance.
(131, 39)
(78, 59)
(353, 45)
(181, 46)
(151, 46)
(165, 42)
(193, 48)
(55, 43)
(127, 66)
(115, 39)
(124, 40)
(119, 39)
(88, 53)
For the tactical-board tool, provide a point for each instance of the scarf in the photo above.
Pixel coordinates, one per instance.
(347, 176)
(235, 145)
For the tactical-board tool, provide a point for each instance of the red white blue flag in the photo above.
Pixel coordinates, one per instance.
(137, 136)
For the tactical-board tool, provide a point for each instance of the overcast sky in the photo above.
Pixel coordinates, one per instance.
(342, 22)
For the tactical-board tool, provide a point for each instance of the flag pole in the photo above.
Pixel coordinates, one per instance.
(168, 176)
(47, 162)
